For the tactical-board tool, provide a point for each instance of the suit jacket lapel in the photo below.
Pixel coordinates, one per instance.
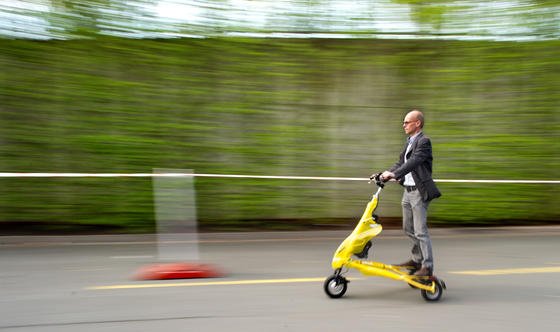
(414, 144)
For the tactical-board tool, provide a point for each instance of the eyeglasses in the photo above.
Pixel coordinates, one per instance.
(407, 122)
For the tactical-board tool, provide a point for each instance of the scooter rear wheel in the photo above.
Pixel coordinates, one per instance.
(335, 286)
(436, 295)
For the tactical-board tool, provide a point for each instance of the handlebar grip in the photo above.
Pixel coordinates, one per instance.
(377, 178)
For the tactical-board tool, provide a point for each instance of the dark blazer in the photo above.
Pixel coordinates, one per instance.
(419, 163)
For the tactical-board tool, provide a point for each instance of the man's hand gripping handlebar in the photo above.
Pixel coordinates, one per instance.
(379, 180)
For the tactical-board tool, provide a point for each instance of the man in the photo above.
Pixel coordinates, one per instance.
(414, 172)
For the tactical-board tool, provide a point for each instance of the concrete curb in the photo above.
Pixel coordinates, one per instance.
(269, 236)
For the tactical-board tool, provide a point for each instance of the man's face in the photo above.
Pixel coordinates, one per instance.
(411, 124)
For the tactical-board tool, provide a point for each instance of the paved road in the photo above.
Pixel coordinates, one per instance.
(274, 283)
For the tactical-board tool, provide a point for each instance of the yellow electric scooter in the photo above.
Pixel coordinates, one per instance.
(353, 252)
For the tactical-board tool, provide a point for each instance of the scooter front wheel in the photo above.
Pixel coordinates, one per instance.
(335, 286)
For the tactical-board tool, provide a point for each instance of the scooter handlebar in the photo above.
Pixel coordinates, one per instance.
(378, 180)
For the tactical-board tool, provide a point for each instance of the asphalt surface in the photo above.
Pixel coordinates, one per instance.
(504, 279)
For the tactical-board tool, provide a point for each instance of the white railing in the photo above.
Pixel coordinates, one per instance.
(320, 178)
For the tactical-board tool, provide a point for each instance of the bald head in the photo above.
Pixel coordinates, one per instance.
(413, 122)
(417, 115)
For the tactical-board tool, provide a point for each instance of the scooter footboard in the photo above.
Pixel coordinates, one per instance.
(376, 269)
(388, 271)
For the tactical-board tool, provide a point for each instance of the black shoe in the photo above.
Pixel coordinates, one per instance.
(410, 264)
(423, 272)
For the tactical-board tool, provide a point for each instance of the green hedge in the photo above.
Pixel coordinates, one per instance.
(309, 107)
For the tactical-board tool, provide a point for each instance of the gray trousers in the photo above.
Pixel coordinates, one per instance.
(415, 225)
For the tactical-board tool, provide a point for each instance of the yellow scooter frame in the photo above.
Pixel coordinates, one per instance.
(358, 243)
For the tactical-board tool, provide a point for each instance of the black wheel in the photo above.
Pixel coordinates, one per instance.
(335, 286)
(436, 295)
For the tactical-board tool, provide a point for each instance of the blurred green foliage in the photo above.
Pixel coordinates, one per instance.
(304, 107)
(510, 20)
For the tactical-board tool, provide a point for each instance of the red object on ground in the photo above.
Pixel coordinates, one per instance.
(177, 271)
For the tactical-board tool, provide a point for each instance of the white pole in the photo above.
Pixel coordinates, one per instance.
(175, 214)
